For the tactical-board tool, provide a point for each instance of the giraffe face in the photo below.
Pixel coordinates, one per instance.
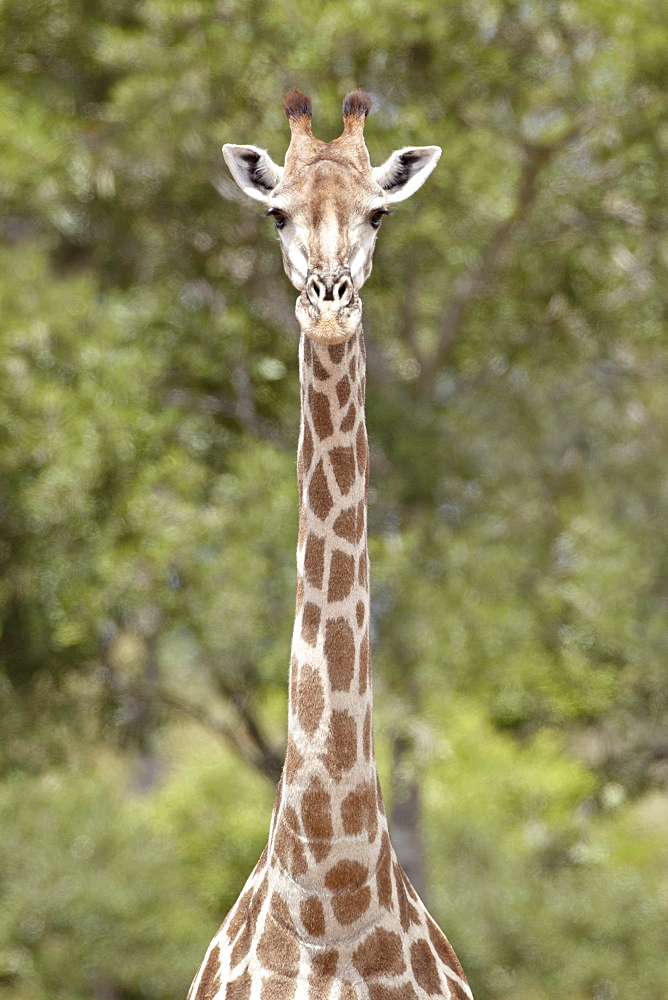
(328, 219)
(328, 203)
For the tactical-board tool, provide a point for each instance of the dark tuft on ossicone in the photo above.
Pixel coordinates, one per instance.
(357, 103)
(297, 105)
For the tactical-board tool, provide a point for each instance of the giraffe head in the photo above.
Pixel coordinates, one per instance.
(328, 202)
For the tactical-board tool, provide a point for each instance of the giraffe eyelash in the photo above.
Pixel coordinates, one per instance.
(376, 217)
(278, 216)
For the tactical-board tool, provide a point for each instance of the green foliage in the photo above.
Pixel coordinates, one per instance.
(518, 423)
(551, 889)
(86, 905)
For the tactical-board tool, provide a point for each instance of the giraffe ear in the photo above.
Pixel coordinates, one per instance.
(253, 169)
(406, 170)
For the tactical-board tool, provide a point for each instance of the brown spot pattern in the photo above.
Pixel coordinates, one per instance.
(341, 746)
(323, 968)
(345, 525)
(350, 906)
(238, 989)
(278, 987)
(346, 874)
(457, 992)
(381, 806)
(348, 421)
(366, 735)
(242, 944)
(299, 596)
(310, 699)
(343, 390)
(363, 575)
(293, 761)
(239, 915)
(360, 394)
(360, 518)
(278, 799)
(407, 913)
(319, 369)
(320, 412)
(326, 962)
(380, 954)
(313, 916)
(379, 992)
(262, 860)
(245, 938)
(278, 949)
(336, 352)
(317, 819)
(258, 899)
(314, 560)
(409, 888)
(358, 811)
(319, 496)
(310, 623)
(343, 467)
(365, 660)
(308, 351)
(351, 897)
(362, 449)
(444, 949)
(339, 653)
(210, 978)
(293, 681)
(306, 454)
(384, 873)
(424, 967)
(287, 845)
(341, 575)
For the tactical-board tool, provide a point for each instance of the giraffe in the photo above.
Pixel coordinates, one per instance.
(328, 913)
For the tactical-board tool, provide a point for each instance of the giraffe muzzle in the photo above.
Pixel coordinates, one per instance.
(329, 310)
(320, 289)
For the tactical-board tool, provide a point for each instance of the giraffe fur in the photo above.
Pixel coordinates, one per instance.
(328, 913)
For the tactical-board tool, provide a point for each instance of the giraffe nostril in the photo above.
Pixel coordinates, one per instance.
(314, 291)
(339, 290)
(343, 289)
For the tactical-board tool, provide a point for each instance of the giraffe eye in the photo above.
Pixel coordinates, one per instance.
(377, 216)
(278, 217)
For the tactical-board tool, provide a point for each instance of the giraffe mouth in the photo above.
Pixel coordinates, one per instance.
(329, 322)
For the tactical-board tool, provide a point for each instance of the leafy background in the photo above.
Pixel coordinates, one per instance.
(518, 414)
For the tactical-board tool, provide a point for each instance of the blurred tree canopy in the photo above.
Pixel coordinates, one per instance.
(518, 415)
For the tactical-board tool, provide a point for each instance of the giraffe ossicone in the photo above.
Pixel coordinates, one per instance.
(328, 913)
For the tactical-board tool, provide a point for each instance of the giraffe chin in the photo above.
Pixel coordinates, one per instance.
(329, 326)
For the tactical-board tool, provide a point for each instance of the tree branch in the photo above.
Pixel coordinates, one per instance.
(241, 409)
(469, 285)
(253, 749)
(269, 762)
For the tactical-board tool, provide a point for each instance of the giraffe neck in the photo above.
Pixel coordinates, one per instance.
(328, 819)
(328, 913)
